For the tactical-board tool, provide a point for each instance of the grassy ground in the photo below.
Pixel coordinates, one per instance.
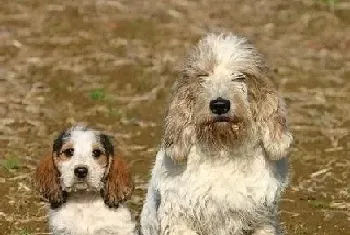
(111, 64)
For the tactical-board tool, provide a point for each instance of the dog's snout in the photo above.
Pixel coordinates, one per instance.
(80, 172)
(219, 106)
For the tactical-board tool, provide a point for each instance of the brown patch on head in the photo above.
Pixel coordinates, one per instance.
(47, 182)
(119, 185)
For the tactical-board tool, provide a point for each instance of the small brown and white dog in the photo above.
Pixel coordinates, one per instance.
(86, 185)
(222, 164)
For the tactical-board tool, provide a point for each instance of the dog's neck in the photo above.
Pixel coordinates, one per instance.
(244, 151)
(83, 196)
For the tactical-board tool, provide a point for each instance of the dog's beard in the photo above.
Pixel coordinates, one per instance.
(222, 133)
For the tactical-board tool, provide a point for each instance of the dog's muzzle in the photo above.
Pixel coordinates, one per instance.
(219, 106)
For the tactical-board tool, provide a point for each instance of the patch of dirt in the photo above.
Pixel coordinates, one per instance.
(111, 64)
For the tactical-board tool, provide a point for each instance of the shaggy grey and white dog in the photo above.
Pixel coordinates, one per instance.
(222, 164)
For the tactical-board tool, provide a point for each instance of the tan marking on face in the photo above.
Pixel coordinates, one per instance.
(61, 156)
(102, 160)
(240, 107)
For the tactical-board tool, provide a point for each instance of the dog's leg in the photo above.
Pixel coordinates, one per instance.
(267, 229)
(181, 231)
(177, 227)
(149, 221)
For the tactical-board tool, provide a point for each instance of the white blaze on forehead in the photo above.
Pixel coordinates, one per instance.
(228, 55)
(83, 142)
(228, 51)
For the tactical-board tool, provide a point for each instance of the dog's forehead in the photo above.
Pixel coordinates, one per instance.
(83, 137)
(226, 49)
(224, 54)
(79, 135)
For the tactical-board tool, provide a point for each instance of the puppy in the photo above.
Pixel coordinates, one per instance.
(86, 185)
(222, 163)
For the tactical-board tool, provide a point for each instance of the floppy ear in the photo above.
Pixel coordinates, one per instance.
(47, 182)
(179, 131)
(271, 117)
(119, 185)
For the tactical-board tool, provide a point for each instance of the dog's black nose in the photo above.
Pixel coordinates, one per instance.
(219, 106)
(80, 172)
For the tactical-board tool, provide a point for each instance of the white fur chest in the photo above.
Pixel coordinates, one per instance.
(91, 217)
(217, 188)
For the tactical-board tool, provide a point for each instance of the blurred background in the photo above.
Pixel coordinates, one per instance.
(111, 64)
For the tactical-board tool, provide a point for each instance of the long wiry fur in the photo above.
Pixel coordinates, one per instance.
(96, 207)
(215, 177)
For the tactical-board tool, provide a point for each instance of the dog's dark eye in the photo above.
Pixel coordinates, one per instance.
(68, 152)
(203, 75)
(96, 153)
(238, 77)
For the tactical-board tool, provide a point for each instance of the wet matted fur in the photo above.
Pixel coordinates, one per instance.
(220, 174)
(95, 204)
